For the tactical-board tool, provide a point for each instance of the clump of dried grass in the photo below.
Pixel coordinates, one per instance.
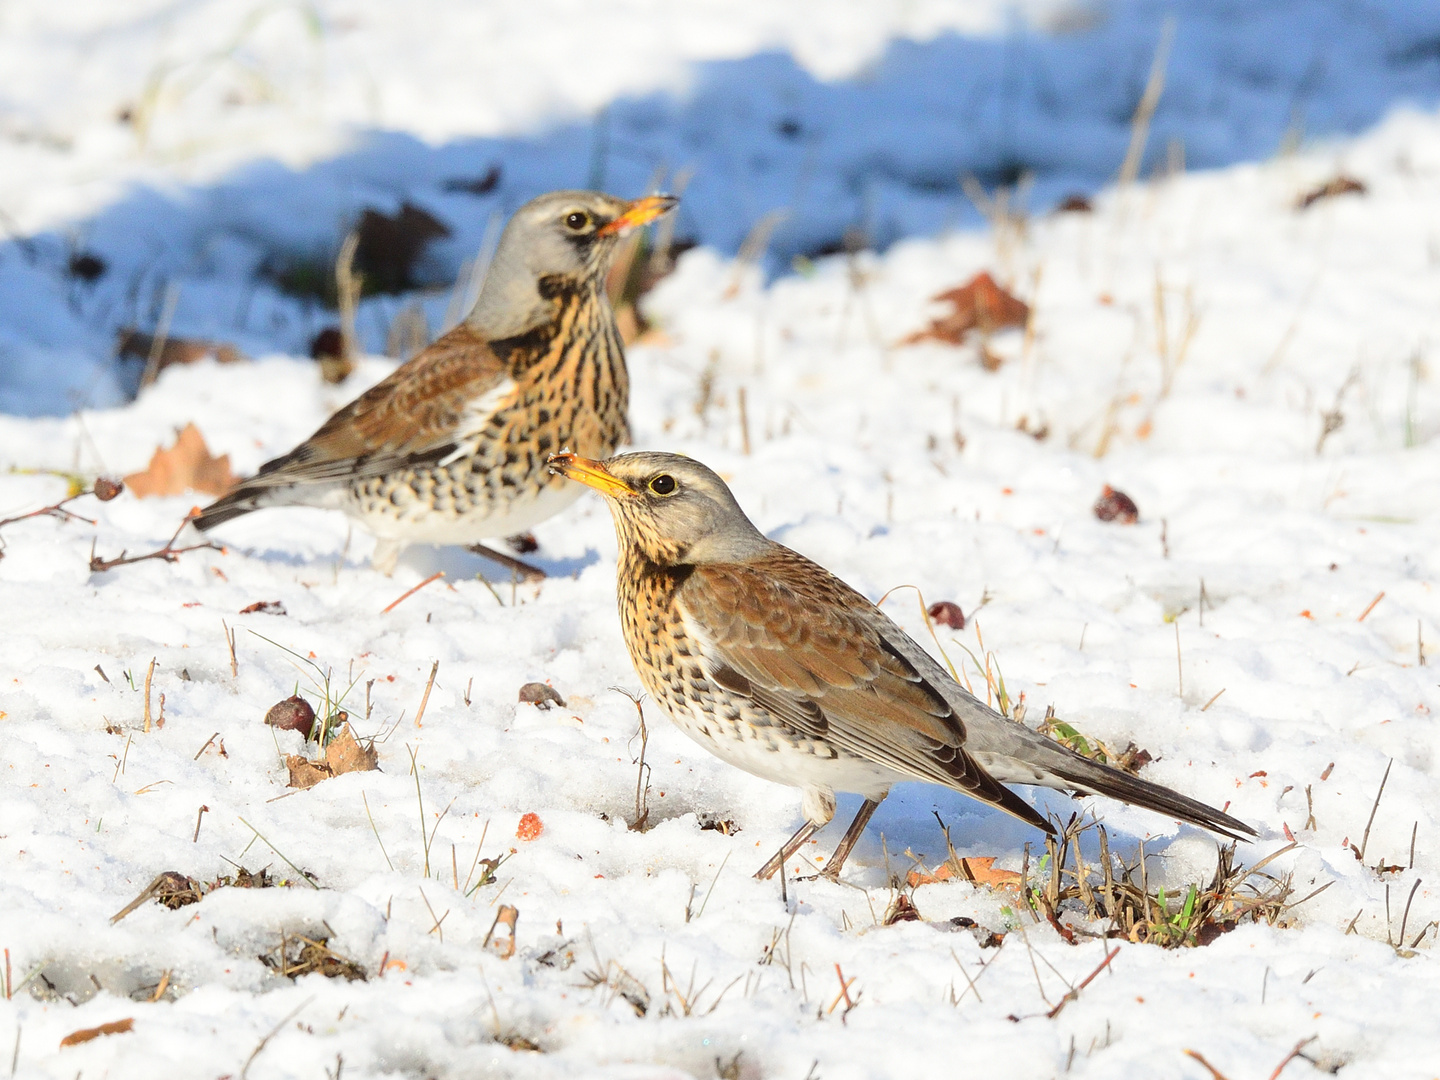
(299, 955)
(1116, 895)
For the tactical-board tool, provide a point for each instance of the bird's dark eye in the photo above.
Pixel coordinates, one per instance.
(577, 220)
(664, 484)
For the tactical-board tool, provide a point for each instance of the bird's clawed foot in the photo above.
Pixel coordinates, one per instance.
(523, 570)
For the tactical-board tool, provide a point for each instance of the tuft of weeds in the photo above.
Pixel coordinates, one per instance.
(299, 955)
(620, 984)
(173, 889)
(1117, 893)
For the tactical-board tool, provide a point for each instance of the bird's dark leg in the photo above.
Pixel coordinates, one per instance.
(850, 839)
(766, 872)
(523, 569)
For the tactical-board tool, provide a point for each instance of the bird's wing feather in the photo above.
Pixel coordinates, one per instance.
(818, 656)
(415, 414)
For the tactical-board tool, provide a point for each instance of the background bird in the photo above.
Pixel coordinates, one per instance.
(777, 666)
(451, 447)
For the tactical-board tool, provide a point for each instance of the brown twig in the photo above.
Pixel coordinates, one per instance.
(844, 992)
(1371, 607)
(1075, 993)
(411, 592)
(744, 422)
(230, 644)
(1365, 840)
(425, 697)
(1216, 1073)
(56, 510)
(642, 771)
(149, 676)
(170, 553)
(1294, 1053)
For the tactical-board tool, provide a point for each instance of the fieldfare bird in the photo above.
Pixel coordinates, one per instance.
(451, 447)
(777, 666)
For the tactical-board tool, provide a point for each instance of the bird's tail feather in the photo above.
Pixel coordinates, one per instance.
(239, 502)
(1096, 779)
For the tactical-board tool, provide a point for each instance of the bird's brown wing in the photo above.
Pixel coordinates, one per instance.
(819, 657)
(411, 416)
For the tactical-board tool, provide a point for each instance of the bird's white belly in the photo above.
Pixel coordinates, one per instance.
(767, 753)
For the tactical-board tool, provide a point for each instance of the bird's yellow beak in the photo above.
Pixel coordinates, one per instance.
(640, 212)
(590, 473)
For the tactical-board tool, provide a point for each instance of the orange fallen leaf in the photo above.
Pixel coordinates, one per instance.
(186, 466)
(530, 827)
(84, 1035)
(342, 755)
(979, 304)
(980, 870)
(1339, 185)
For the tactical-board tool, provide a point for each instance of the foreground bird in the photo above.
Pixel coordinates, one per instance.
(451, 447)
(777, 666)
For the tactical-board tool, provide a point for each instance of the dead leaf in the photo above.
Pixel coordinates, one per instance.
(979, 870)
(342, 755)
(1340, 185)
(174, 350)
(84, 1035)
(305, 773)
(264, 607)
(345, 755)
(901, 909)
(980, 304)
(186, 466)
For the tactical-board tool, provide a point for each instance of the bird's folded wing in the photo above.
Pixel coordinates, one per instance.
(813, 652)
(414, 415)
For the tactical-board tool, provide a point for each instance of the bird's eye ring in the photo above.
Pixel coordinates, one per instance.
(577, 220)
(664, 484)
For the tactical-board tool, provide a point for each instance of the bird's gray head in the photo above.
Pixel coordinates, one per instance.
(554, 243)
(668, 509)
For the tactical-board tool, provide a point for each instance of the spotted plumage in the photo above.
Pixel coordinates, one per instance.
(451, 447)
(778, 667)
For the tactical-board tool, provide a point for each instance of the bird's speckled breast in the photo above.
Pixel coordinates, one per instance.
(672, 663)
(571, 394)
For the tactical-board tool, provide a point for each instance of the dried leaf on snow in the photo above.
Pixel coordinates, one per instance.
(186, 466)
(343, 755)
(979, 304)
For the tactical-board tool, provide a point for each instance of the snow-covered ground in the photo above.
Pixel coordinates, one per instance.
(1193, 340)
